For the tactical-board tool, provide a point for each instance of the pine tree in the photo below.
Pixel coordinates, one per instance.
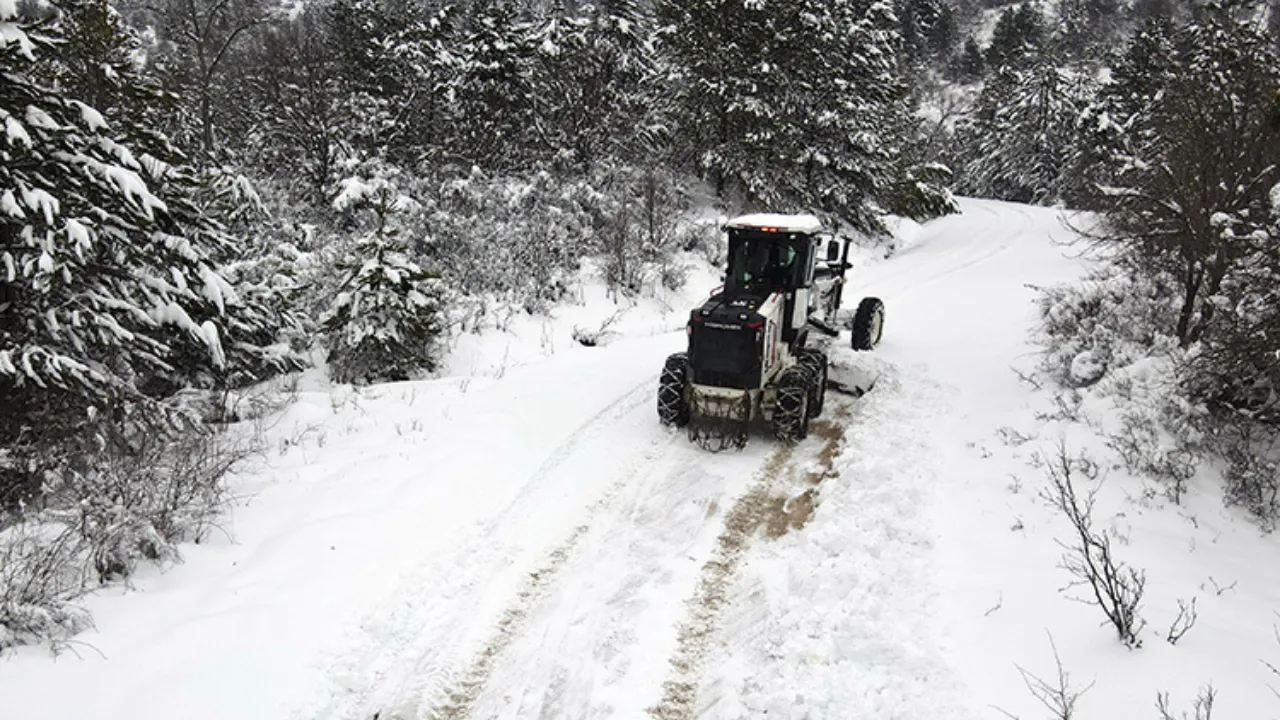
(493, 100)
(384, 322)
(1018, 143)
(592, 82)
(110, 293)
(928, 28)
(397, 66)
(796, 104)
(1086, 29)
(97, 61)
(1186, 138)
(1019, 37)
(969, 65)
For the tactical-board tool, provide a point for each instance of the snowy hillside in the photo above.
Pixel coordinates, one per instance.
(524, 540)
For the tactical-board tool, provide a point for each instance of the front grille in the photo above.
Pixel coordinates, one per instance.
(726, 358)
(720, 379)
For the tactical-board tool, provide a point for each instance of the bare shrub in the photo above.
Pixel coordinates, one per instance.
(1201, 710)
(1114, 587)
(125, 498)
(1183, 622)
(1058, 696)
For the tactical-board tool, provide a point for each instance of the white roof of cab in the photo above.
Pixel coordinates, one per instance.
(781, 223)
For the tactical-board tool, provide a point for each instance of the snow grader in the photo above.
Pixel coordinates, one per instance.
(750, 355)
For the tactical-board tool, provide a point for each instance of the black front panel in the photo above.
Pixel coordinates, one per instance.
(724, 355)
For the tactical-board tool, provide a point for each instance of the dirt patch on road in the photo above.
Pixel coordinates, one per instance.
(792, 511)
(786, 514)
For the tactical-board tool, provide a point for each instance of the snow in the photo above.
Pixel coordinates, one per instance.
(11, 34)
(79, 236)
(208, 334)
(40, 201)
(38, 118)
(519, 538)
(15, 132)
(92, 119)
(132, 187)
(784, 223)
(1086, 368)
(215, 288)
(9, 204)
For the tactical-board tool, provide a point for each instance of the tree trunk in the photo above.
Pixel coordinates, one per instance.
(1190, 292)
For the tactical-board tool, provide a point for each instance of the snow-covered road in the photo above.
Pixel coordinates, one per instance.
(536, 545)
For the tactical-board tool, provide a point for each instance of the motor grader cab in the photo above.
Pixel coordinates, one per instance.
(749, 354)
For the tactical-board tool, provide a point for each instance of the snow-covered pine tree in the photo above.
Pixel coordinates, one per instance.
(1086, 30)
(98, 61)
(592, 82)
(493, 102)
(396, 64)
(928, 29)
(970, 64)
(710, 48)
(1185, 141)
(425, 52)
(879, 166)
(797, 104)
(1018, 143)
(384, 321)
(373, 86)
(110, 295)
(1019, 37)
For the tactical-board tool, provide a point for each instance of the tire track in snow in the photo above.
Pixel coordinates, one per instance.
(407, 648)
(767, 506)
(956, 259)
(463, 695)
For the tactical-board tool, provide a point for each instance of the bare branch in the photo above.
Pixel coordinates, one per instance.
(1115, 587)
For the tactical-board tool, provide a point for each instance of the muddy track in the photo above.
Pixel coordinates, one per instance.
(770, 507)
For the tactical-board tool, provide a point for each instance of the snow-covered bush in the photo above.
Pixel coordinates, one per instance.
(511, 243)
(143, 493)
(1107, 339)
(384, 321)
(1112, 318)
(1180, 328)
(1252, 453)
(42, 571)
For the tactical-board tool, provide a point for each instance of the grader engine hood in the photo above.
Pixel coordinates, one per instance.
(727, 337)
